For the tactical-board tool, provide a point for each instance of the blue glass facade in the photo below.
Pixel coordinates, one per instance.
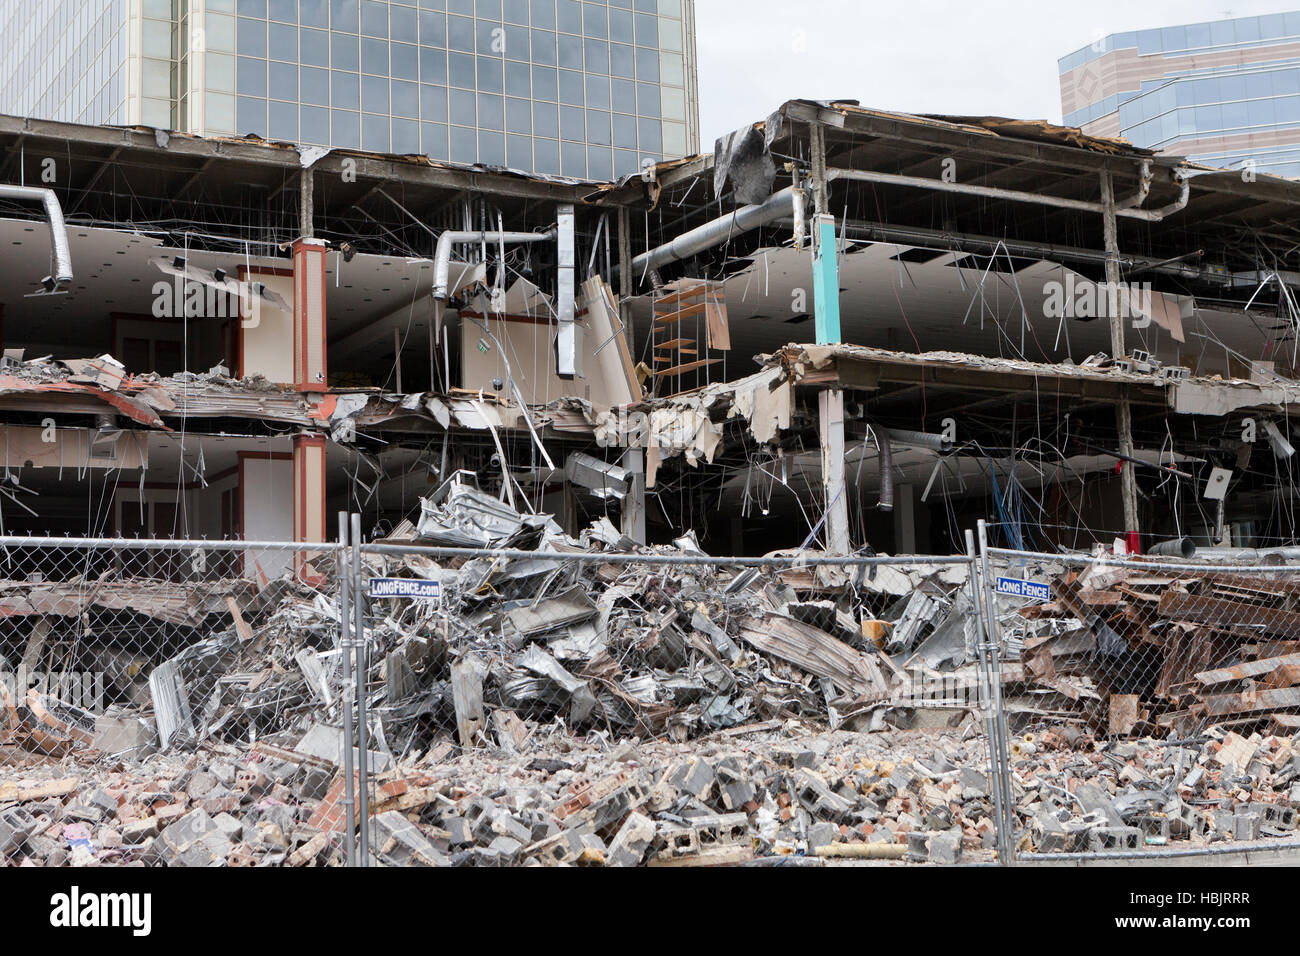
(584, 88)
(1258, 92)
(64, 60)
(587, 89)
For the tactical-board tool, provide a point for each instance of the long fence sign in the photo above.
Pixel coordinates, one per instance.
(418, 588)
(1017, 587)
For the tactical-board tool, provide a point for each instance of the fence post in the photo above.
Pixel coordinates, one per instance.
(986, 677)
(363, 669)
(992, 647)
(346, 703)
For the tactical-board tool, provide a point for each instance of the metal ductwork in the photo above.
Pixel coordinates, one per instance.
(60, 258)
(1125, 207)
(449, 238)
(782, 204)
(913, 439)
(568, 344)
(886, 468)
(1174, 548)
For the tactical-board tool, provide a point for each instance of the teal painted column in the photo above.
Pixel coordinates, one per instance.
(826, 282)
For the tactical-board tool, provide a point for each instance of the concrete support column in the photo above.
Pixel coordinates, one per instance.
(826, 278)
(309, 371)
(830, 405)
(1123, 412)
(306, 219)
(633, 516)
(308, 493)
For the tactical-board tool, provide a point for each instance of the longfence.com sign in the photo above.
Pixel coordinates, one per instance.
(1028, 589)
(405, 588)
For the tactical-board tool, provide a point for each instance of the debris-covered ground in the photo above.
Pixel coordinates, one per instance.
(785, 794)
(572, 706)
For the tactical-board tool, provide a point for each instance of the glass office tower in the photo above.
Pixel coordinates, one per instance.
(574, 87)
(1225, 93)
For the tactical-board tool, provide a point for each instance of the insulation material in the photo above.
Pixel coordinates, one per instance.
(765, 400)
(680, 431)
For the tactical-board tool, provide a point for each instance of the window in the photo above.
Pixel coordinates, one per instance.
(345, 89)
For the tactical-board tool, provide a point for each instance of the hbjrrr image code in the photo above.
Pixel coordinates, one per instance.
(511, 433)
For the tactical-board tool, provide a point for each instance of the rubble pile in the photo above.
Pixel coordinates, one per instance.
(789, 793)
(1075, 794)
(1159, 651)
(784, 792)
(560, 704)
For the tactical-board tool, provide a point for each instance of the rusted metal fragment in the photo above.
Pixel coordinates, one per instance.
(1249, 701)
(1208, 610)
(1248, 669)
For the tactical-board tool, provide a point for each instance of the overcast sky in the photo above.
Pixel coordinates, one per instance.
(988, 57)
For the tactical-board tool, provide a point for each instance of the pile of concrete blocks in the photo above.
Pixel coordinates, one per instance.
(1077, 794)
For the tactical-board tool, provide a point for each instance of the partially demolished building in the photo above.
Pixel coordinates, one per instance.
(846, 332)
(1068, 336)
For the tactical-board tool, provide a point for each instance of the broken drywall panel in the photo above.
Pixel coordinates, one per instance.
(686, 431)
(610, 347)
(33, 447)
(715, 316)
(1165, 310)
(266, 340)
(529, 358)
(524, 298)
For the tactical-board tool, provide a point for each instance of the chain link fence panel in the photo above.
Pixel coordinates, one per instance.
(670, 708)
(158, 700)
(1150, 704)
(255, 703)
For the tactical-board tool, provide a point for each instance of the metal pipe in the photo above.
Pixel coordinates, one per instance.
(1014, 195)
(886, 468)
(745, 219)
(568, 352)
(1252, 555)
(1242, 554)
(348, 696)
(1144, 188)
(363, 669)
(903, 436)
(1155, 857)
(962, 241)
(599, 557)
(986, 685)
(60, 258)
(450, 237)
(992, 645)
(1175, 548)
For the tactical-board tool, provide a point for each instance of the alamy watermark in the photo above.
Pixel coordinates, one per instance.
(83, 689)
(1084, 299)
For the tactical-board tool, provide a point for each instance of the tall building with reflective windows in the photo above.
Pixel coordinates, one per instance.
(583, 88)
(1225, 93)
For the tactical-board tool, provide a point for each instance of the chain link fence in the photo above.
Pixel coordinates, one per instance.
(611, 707)
(1149, 704)
(121, 659)
(589, 702)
